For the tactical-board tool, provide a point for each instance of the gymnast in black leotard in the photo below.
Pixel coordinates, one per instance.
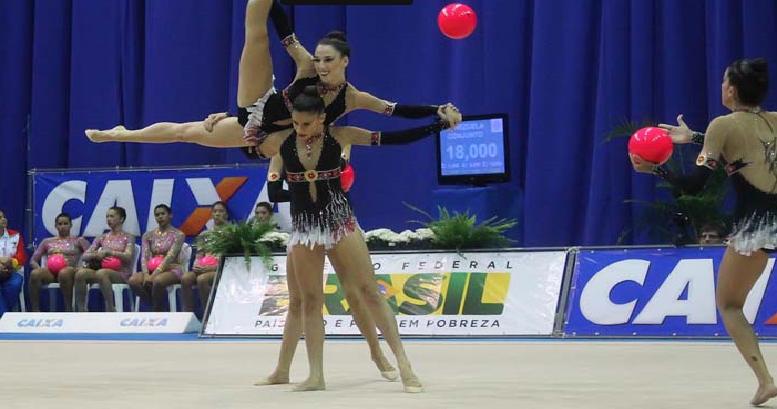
(351, 282)
(271, 111)
(745, 143)
(323, 221)
(264, 110)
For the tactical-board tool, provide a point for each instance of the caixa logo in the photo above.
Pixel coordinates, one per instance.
(40, 323)
(88, 196)
(613, 294)
(144, 322)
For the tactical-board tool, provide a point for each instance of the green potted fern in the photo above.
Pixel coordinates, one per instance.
(457, 231)
(248, 239)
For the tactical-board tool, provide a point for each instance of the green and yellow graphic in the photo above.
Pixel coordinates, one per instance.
(410, 294)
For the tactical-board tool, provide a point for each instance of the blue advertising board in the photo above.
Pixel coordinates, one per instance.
(661, 292)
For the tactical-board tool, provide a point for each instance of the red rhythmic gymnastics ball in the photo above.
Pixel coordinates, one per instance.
(111, 263)
(55, 263)
(652, 144)
(457, 20)
(347, 177)
(154, 263)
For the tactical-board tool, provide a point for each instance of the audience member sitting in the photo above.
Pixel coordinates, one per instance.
(12, 257)
(711, 233)
(160, 260)
(204, 269)
(108, 260)
(68, 248)
(263, 212)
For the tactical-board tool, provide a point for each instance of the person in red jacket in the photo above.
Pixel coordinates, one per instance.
(12, 258)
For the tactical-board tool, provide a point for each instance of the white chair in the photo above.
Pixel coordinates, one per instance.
(184, 258)
(118, 288)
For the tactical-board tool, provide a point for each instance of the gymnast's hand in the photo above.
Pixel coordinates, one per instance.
(251, 141)
(212, 119)
(450, 114)
(640, 165)
(680, 134)
(148, 280)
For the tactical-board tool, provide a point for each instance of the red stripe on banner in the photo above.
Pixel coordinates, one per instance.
(196, 221)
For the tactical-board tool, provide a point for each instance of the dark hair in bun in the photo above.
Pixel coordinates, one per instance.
(120, 211)
(750, 77)
(336, 35)
(166, 208)
(337, 40)
(65, 215)
(309, 101)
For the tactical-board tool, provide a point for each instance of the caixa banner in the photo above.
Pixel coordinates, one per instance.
(87, 195)
(662, 292)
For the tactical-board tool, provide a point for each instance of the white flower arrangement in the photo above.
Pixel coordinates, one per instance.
(380, 234)
(424, 234)
(277, 237)
(392, 239)
(406, 236)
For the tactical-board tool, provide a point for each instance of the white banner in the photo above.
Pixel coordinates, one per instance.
(99, 322)
(446, 294)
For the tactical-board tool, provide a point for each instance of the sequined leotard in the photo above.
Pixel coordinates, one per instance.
(328, 218)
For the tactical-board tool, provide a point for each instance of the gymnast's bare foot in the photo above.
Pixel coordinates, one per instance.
(111, 135)
(764, 393)
(275, 378)
(387, 371)
(410, 381)
(313, 383)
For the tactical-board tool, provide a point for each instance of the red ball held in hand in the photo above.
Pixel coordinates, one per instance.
(209, 261)
(111, 263)
(154, 262)
(347, 177)
(652, 144)
(55, 263)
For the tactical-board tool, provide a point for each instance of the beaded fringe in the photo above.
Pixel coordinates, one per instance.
(758, 231)
(256, 115)
(326, 227)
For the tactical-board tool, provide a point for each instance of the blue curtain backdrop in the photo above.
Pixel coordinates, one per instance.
(566, 72)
